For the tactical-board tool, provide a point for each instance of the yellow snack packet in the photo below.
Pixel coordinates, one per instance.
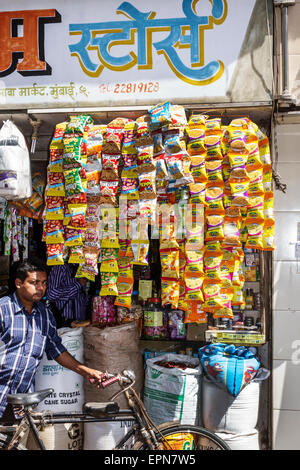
(170, 292)
(170, 263)
(268, 236)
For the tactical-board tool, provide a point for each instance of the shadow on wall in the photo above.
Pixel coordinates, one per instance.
(255, 58)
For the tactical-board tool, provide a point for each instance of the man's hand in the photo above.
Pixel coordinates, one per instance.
(95, 377)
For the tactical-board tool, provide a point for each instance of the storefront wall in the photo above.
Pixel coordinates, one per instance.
(286, 299)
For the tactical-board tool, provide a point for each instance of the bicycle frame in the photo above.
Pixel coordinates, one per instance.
(34, 419)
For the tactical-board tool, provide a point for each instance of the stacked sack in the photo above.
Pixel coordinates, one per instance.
(231, 392)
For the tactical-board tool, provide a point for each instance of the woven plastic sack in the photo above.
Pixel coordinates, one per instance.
(229, 366)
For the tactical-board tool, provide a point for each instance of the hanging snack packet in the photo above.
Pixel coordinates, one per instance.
(269, 235)
(172, 141)
(54, 231)
(212, 264)
(54, 208)
(72, 150)
(161, 168)
(225, 311)
(198, 168)
(196, 140)
(195, 314)
(145, 158)
(237, 159)
(170, 263)
(54, 254)
(147, 187)
(77, 125)
(143, 129)
(268, 206)
(108, 190)
(110, 167)
(129, 160)
(193, 287)
(93, 183)
(59, 131)
(214, 171)
(77, 212)
(267, 179)
(214, 228)
(94, 139)
(158, 146)
(264, 150)
(212, 143)
(91, 239)
(232, 228)
(94, 162)
(109, 284)
(237, 139)
(160, 115)
(197, 193)
(74, 184)
(170, 292)
(175, 166)
(72, 237)
(178, 116)
(76, 255)
(109, 266)
(214, 199)
(211, 292)
(55, 186)
(255, 235)
(213, 124)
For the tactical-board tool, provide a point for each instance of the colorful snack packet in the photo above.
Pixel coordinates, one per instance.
(214, 171)
(198, 168)
(110, 166)
(158, 146)
(213, 144)
(77, 212)
(94, 139)
(54, 231)
(54, 254)
(268, 206)
(213, 124)
(170, 292)
(232, 228)
(212, 264)
(267, 179)
(93, 183)
(73, 150)
(147, 187)
(94, 162)
(109, 284)
(160, 115)
(76, 254)
(268, 235)
(55, 186)
(175, 166)
(195, 314)
(161, 168)
(145, 158)
(214, 199)
(54, 208)
(78, 124)
(178, 116)
(172, 141)
(237, 159)
(72, 237)
(196, 140)
(193, 287)
(74, 182)
(169, 263)
(197, 120)
(214, 228)
(211, 292)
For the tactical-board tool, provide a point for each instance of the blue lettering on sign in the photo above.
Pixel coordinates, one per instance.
(138, 30)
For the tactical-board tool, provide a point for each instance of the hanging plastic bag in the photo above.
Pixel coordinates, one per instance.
(15, 173)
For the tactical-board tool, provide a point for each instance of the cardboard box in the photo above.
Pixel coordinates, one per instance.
(196, 331)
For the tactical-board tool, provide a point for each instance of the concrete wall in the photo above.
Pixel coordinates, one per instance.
(286, 301)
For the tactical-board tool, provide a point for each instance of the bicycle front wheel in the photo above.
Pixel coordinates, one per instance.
(184, 437)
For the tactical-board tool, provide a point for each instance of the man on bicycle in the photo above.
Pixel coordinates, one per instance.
(27, 330)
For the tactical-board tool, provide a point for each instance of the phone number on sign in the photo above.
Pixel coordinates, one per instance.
(130, 87)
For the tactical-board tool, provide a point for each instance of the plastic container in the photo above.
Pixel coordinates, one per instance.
(154, 320)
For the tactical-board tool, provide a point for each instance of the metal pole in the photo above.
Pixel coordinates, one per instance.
(285, 52)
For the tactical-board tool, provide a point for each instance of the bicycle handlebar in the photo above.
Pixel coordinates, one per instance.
(112, 378)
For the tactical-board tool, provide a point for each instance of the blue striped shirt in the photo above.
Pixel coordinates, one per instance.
(24, 338)
(67, 293)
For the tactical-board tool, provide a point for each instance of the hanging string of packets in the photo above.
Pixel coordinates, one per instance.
(15, 233)
(107, 183)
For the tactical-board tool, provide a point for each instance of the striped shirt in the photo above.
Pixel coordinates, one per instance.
(67, 293)
(24, 338)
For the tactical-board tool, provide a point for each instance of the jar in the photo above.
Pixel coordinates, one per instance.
(154, 320)
(176, 325)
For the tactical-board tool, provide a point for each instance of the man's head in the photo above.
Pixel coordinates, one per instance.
(31, 280)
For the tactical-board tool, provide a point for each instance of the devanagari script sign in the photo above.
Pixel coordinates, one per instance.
(71, 53)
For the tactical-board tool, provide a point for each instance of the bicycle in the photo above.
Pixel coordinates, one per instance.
(147, 436)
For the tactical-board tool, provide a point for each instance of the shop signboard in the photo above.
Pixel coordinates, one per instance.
(69, 53)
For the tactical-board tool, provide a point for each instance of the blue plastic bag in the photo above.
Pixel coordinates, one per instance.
(229, 366)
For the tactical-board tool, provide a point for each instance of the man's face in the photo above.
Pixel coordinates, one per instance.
(34, 286)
